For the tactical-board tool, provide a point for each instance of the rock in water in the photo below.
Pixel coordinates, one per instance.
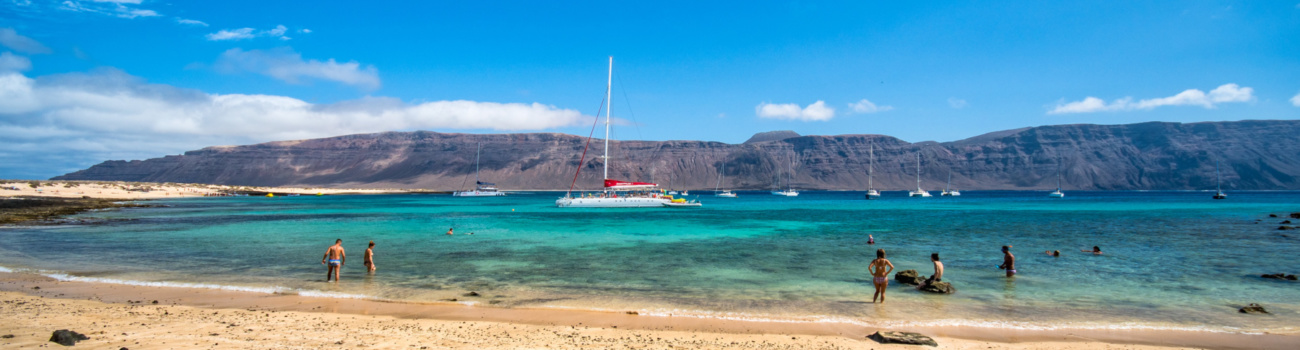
(902, 338)
(939, 287)
(67, 338)
(1295, 215)
(1253, 309)
(908, 277)
(1280, 276)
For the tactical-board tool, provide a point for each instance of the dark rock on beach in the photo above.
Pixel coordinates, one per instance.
(44, 210)
(902, 338)
(471, 294)
(1252, 309)
(1280, 276)
(67, 338)
(908, 277)
(939, 288)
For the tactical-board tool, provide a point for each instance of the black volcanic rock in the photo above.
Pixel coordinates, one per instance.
(1174, 156)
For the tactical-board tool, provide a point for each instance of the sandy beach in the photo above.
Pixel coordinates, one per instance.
(138, 317)
(120, 190)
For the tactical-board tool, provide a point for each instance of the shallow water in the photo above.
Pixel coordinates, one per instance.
(1173, 259)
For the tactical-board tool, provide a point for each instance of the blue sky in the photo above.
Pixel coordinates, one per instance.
(84, 81)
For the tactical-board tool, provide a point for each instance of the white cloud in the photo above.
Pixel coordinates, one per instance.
(286, 65)
(956, 103)
(789, 111)
(13, 63)
(10, 38)
(249, 33)
(1295, 100)
(85, 118)
(305, 31)
(191, 22)
(117, 8)
(1226, 93)
(865, 106)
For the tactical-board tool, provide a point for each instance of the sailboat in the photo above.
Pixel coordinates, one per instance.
(788, 192)
(1057, 193)
(1218, 183)
(871, 156)
(947, 192)
(919, 192)
(716, 187)
(481, 189)
(619, 194)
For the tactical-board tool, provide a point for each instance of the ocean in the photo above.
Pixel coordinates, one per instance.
(1173, 260)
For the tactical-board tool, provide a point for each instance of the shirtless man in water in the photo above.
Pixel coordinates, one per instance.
(880, 275)
(1008, 261)
(369, 258)
(334, 258)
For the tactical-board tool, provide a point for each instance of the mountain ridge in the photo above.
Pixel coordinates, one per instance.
(1256, 155)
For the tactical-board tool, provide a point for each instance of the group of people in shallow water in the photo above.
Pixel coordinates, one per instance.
(335, 257)
(880, 268)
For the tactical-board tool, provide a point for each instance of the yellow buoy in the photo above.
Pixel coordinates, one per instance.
(268, 195)
(319, 194)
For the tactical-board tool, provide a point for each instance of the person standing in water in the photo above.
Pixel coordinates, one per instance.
(449, 230)
(369, 258)
(1008, 261)
(880, 269)
(334, 258)
(871, 239)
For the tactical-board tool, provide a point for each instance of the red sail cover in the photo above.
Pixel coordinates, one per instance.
(616, 184)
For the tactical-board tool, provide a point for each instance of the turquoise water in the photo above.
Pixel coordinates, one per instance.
(1173, 259)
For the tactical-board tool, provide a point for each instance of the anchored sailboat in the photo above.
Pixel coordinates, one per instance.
(947, 192)
(1218, 183)
(871, 163)
(716, 187)
(481, 189)
(1057, 193)
(788, 192)
(619, 194)
(919, 192)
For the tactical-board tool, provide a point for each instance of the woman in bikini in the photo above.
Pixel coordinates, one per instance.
(880, 269)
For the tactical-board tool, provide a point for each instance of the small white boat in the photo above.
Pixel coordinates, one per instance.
(786, 193)
(1057, 193)
(481, 189)
(919, 192)
(726, 194)
(1218, 183)
(871, 188)
(718, 185)
(672, 192)
(947, 192)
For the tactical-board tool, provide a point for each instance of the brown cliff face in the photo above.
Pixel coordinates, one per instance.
(1261, 155)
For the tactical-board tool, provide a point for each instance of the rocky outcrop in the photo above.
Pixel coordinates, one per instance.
(1254, 155)
(902, 338)
(938, 288)
(1280, 276)
(67, 338)
(1252, 309)
(908, 277)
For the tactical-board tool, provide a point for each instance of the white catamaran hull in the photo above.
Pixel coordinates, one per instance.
(920, 193)
(621, 202)
(478, 194)
(786, 193)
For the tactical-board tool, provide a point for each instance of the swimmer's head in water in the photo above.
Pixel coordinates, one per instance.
(934, 256)
(1056, 253)
(1096, 248)
(880, 253)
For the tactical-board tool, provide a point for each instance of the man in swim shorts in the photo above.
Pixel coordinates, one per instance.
(880, 275)
(1008, 261)
(369, 258)
(334, 258)
(938, 270)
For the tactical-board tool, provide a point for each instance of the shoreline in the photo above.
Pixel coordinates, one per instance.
(620, 323)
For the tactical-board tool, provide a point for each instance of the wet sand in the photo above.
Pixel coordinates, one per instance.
(116, 316)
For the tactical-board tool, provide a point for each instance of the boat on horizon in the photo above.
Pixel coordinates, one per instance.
(718, 185)
(481, 189)
(1057, 193)
(919, 192)
(788, 191)
(947, 192)
(617, 193)
(1218, 183)
(871, 164)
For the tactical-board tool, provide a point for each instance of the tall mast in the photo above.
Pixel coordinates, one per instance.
(609, 84)
(871, 162)
(918, 171)
(945, 187)
(1058, 174)
(476, 154)
(1218, 182)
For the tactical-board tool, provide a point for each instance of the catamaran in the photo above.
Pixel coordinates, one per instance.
(871, 164)
(481, 189)
(919, 192)
(1218, 183)
(788, 191)
(947, 192)
(618, 194)
(1057, 193)
(716, 187)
